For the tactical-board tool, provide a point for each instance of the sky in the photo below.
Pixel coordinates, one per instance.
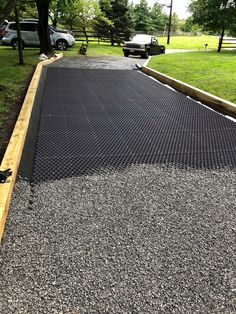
(179, 6)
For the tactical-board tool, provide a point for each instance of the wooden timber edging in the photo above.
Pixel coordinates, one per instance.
(212, 101)
(14, 149)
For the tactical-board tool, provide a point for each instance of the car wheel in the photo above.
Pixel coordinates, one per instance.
(14, 44)
(145, 55)
(163, 51)
(61, 44)
(126, 54)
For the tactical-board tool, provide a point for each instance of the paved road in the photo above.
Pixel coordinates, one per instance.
(178, 50)
(152, 237)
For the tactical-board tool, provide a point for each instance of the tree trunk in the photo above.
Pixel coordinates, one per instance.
(112, 38)
(20, 46)
(221, 39)
(85, 34)
(71, 25)
(54, 23)
(43, 31)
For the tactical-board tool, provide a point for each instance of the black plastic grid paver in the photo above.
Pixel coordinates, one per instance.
(92, 120)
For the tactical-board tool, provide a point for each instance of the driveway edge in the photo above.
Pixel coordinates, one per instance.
(14, 149)
(213, 101)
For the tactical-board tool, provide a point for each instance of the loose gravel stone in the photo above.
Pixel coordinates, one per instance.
(99, 62)
(149, 239)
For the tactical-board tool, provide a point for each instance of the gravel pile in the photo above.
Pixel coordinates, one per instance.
(99, 62)
(149, 239)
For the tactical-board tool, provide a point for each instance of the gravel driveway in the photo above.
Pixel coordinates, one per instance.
(100, 62)
(148, 239)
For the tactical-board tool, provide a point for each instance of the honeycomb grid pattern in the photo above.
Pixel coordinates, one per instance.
(93, 120)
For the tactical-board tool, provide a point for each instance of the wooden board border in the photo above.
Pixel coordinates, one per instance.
(219, 104)
(15, 147)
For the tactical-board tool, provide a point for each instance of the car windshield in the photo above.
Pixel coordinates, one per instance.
(58, 30)
(141, 39)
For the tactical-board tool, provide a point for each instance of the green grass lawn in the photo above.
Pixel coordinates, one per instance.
(211, 71)
(190, 42)
(176, 42)
(95, 49)
(13, 77)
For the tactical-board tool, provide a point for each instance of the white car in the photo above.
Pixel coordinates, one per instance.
(61, 39)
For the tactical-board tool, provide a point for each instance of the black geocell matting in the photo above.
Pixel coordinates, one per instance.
(92, 120)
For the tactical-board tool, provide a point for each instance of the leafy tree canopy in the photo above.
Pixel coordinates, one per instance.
(116, 18)
(80, 14)
(213, 15)
(6, 8)
(142, 18)
(158, 17)
(149, 19)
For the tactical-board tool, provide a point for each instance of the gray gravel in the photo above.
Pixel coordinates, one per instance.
(145, 240)
(99, 62)
(150, 239)
(105, 62)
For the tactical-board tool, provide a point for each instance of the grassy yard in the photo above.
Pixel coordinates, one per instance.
(210, 71)
(13, 76)
(103, 48)
(177, 42)
(13, 82)
(191, 42)
(95, 49)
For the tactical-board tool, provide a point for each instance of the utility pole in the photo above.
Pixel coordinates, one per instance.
(169, 26)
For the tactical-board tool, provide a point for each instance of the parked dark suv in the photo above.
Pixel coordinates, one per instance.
(143, 45)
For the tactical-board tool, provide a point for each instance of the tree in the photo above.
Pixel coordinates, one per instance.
(123, 25)
(57, 8)
(215, 16)
(175, 23)
(81, 14)
(187, 25)
(118, 13)
(88, 11)
(142, 18)
(20, 46)
(7, 6)
(29, 11)
(69, 15)
(43, 30)
(103, 24)
(159, 19)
